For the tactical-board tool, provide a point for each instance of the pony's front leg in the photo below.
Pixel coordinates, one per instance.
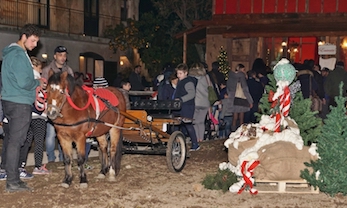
(103, 156)
(67, 150)
(81, 158)
(116, 142)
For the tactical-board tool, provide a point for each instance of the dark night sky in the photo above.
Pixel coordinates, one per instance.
(145, 6)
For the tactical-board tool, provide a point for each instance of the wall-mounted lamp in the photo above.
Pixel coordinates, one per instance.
(321, 42)
(121, 63)
(284, 44)
(44, 56)
(344, 45)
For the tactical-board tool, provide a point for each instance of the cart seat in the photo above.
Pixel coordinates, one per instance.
(156, 105)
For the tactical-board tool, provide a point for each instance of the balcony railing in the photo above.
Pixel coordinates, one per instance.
(53, 18)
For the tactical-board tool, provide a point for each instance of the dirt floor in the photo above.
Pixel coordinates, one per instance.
(144, 181)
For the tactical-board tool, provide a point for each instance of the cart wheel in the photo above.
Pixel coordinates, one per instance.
(176, 152)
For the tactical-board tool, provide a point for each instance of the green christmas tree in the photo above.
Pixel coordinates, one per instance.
(264, 103)
(223, 62)
(332, 150)
(309, 124)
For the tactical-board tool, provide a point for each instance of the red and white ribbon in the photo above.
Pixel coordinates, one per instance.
(247, 169)
(283, 95)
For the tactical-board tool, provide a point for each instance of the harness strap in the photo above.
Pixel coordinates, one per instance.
(97, 114)
(96, 121)
(73, 104)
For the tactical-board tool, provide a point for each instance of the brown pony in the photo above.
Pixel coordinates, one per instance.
(74, 118)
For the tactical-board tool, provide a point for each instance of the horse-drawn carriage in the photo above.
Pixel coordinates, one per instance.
(78, 112)
(157, 131)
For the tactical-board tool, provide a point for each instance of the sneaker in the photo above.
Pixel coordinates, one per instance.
(41, 170)
(24, 174)
(89, 140)
(3, 175)
(194, 149)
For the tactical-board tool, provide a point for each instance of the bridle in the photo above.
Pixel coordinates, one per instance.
(55, 108)
(67, 97)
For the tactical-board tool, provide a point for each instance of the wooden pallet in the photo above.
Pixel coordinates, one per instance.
(288, 186)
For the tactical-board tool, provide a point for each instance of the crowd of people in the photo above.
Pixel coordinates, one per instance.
(239, 93)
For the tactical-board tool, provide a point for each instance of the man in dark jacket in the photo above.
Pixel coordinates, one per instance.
(333, 80)
(256, 89)
(135, 79)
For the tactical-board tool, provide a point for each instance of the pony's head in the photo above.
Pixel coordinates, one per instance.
(59, 86)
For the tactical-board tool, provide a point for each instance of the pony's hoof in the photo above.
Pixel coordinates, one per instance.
(83, 185)
(65, 185)
(100, 176)
(112, 179)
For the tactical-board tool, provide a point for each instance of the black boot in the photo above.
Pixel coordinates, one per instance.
(17, 187)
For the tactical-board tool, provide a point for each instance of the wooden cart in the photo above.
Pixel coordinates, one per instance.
(152, 128)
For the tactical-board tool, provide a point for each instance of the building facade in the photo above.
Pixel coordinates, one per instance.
(76, 24)
(270, 29)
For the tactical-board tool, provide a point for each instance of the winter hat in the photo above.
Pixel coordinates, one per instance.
(100, 82)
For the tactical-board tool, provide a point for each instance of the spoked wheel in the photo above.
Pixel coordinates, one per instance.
(176, 152)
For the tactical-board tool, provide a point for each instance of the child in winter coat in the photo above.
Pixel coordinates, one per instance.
(185, 92)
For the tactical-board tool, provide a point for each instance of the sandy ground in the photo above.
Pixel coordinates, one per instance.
(144, 181)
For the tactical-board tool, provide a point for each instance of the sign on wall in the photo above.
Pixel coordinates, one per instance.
(327, 49)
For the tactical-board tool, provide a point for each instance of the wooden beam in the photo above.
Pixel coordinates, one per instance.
(286, 18)
(283, 34)
(269, 25)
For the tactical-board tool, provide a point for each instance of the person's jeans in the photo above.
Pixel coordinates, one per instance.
(227, 127)
(87, 149)
(50, 144)
(19, 118)
(4, 146)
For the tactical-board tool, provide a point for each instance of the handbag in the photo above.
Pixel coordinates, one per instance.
(239, 91)
(316, 102)
(240, 98)
(212, 96)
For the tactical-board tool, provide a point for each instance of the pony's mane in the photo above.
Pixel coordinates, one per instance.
(56, 79)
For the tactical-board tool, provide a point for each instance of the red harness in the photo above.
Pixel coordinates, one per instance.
(100, 92)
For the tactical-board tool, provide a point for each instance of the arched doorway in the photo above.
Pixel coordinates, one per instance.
(92, 63)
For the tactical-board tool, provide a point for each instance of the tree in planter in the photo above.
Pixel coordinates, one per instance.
(332, 150)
